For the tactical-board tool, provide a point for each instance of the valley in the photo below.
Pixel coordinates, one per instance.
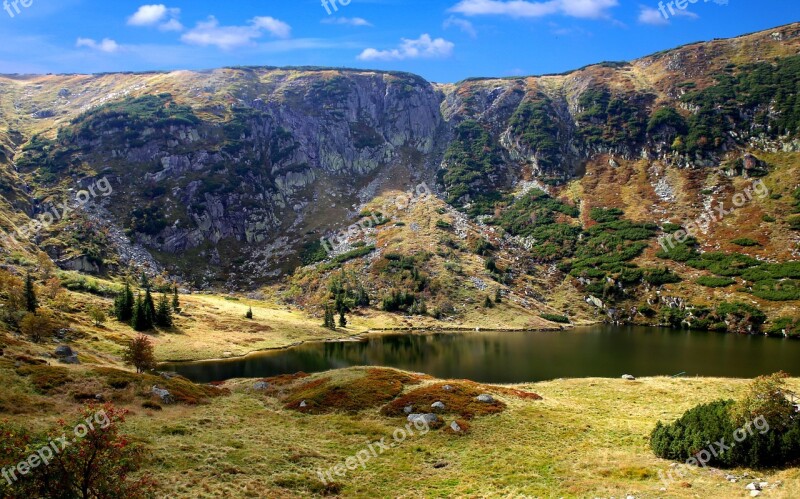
(270, 268)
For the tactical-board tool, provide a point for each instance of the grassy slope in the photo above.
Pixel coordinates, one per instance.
(586, 438)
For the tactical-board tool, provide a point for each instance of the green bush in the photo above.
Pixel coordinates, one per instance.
(785, 325)
(715, 282)
(761, 430)
(777, 290)
(657, 277)
(561, 319)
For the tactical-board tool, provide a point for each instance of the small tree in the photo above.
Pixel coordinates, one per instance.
(99, 464)
(487, 303)
(140, 321)
(176, 304)
(31, 303)
(139, 354)
(329, 321)
(123, 304)
(144, 282)
(38, 327)
(164, 312)
(149, 309)
(97, 315)
(249, 314)
(498, 296)
(342, 319)
(766, 396)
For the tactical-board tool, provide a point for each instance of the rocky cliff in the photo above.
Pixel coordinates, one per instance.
(229, 176)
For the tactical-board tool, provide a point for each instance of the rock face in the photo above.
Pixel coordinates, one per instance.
(243, 168)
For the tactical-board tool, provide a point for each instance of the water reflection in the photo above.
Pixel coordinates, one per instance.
(604, 351)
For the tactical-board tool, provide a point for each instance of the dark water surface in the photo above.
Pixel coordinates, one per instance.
(503, 357)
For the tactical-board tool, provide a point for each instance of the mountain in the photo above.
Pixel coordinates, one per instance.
(545, 194)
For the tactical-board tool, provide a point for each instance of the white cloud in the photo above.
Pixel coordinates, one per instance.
(151, 15)
(423, 47)
(349, 21)
(525, 8)
(651, 16)
(276, 28)
(462, 24)
(171, 25)
(106, 45)
(210, 32)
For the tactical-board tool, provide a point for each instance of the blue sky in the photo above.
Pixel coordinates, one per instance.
(442, 40)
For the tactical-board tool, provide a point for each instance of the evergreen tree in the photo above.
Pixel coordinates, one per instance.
(342, 319)
(329, 321)
(149, 309)
(139, 319)
(249, 314)
(498, 296)
(123, 304)
(487, 303)
(163, 312)
(144, 282)
(362, 298)
(176, 304)
(31, 303)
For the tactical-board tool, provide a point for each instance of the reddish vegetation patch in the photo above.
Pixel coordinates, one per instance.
(374, 389)
(519, 393)
(285, 379)
(181, 389)
(461, 399)
(462, 424)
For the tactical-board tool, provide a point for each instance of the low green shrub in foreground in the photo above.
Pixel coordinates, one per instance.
(761, 430)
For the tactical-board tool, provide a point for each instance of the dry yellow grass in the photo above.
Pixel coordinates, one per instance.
(587, 438)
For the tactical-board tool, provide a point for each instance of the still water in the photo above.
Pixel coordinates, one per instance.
(503, 357)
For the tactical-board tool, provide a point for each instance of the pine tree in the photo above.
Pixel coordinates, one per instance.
(163, 312)
(498, 296)
(342, 319)
(487, 303)
(249, 314)
(144, 282)
(31, 303)
(149, 309)
(362, 298)
(329, 321)
(123, 304)
(139, 319)
(176, 304)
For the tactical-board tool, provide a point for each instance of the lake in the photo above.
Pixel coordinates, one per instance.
(511, 357)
